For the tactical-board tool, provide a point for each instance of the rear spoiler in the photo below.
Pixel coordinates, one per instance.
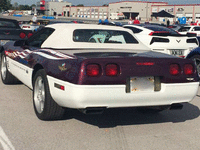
(191, 34)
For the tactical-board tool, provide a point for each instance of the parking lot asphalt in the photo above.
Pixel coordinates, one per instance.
(115, 129)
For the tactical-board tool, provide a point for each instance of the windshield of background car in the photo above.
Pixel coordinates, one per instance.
(103, 36)
(184, 29)
(160, 28)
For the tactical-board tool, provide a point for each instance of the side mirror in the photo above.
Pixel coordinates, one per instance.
(20, 43)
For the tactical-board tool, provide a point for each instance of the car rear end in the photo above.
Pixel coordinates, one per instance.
(10, 31)
(130, 80)
(162, 39)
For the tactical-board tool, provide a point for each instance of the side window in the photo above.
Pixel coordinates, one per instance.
(196, 28)
(184, 29)
(103, 36)
(135, 30)
(37, 39)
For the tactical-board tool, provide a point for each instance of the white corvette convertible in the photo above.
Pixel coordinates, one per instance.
(94, 67)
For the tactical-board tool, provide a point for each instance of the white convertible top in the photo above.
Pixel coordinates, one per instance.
(62, 38)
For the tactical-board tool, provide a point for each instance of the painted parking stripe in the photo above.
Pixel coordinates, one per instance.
(5, 142)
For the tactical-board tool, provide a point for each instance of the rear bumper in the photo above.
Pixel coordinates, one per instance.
(114, 96)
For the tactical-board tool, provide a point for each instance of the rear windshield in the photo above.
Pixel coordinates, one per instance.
(8, 24)
(103, 36)
(160, 28)
(184, 29)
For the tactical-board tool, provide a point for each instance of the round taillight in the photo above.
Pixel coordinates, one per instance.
(22, 35)
(188, 69)
(174, 69)
(112, 70)
(93, 70)
(29, 35)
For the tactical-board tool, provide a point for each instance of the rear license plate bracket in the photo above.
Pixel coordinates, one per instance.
(143, 84)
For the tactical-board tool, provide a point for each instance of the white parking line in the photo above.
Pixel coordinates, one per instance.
(5, 142)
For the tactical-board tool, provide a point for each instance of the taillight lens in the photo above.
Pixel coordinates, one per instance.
(194, 40)
(174, 69)
(93, 70)
(188, 69)
(29, 35)
(155, 39)
(159, 33)
(112, 70)
(22, 35)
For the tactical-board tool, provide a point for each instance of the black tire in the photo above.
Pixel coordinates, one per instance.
(6, 76)
(44, 105)
(196, 58)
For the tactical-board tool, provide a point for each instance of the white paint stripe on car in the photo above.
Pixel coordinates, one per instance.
(47, 56)
(57, 53)
(5, 142)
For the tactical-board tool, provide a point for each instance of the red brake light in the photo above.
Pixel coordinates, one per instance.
(29, 35)
(151, 33)
(26, 27)
(93, 70)
(145, 63)
(112, 70)
(188, 69)
(22, 35)
(174, 69)
(158, 32)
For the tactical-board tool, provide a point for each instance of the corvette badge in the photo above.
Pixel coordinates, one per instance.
(62, 67)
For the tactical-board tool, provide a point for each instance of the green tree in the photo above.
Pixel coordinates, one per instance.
(80, 5)
(5, 4)
(15, 5)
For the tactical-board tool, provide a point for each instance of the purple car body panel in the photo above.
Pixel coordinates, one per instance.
(126, 61)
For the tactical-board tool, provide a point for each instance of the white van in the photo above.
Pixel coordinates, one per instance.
(117, 16)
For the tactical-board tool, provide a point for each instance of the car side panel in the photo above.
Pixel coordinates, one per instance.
(20, 71)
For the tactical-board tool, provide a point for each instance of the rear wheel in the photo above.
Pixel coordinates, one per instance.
(6, 76)
(44, 105)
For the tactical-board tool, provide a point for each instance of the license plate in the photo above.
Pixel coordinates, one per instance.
(3, 42)
(142, 84)
(177, 52)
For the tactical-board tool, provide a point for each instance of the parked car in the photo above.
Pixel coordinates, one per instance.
(195, 56)
(164, 40)
(11, 31)
(176, 27)
(65, 69)
(190, 29)
(29, 25)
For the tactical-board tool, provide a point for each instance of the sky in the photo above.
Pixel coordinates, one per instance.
(101, 2)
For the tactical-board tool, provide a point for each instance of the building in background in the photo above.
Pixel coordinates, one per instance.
(40, 7)
(98, 12)
(134, 9)
(51, 8)
(56, 7)
(190, 11)
(141, 10)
